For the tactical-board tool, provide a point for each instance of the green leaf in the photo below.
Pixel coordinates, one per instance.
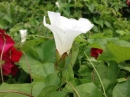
(3, 25)
(25, 88)
(53, 79)
(122, 89)
(102, 70)
(28, 44)
(80, 38)
(84, 70)
(113, 70)
(107, 23)
(120, 53)
(37, 88)
(122, 43)
(91, 7)
(74, 82)
(38, 70)
(49, 51)
(8, 18)
(126, 68)
(106, 55)
(45, 91)
(121, 80)
(57, 94)
(88, 89)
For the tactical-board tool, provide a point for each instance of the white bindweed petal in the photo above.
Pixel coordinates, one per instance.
(54, 18)
(23, 34)
(84, 25)
(66, 30)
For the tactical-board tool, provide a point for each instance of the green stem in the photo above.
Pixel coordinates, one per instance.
(72, 88)
(18, 92)
(97, 74)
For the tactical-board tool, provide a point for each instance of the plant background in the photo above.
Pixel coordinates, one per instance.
(110, 33)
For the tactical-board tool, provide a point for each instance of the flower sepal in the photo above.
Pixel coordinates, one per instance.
(60, 61)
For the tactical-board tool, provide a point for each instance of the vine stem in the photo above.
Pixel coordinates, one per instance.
(34, 36)
(18, 92)
(72, 88)
(97, 74)
(1, 58)
(29, 69)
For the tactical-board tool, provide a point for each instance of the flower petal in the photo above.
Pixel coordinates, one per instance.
(66, 23)
(7, 66)
(14, 70)
(15, 55)
(54, 18)
(58, 36)
(70, 37)
(95, 52)
(23, 35)
(84, 25)
(2, 31)
(6, 42)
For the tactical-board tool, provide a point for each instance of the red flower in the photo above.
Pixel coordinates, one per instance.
(10, 54)
(95, 52)
(128, 2)
(7, 66)
(6, 42)
(14, 70)
(15, 55)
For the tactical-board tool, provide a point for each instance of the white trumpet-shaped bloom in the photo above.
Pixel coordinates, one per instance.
(23, 34)
(66, 30)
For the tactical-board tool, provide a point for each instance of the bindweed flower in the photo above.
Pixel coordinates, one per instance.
(66, 30)
(95, 52)
(23, 34)
(57, 4)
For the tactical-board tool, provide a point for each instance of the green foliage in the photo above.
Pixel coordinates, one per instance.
(122, 89)
(76, 77)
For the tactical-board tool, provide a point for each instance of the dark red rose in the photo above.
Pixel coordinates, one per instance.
(15, 55)
(9, 55)
(6, 42)
(128, 2)
(2, 31)
(95, 52)
(14, 70)
(7, 66)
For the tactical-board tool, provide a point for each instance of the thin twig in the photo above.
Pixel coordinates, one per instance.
(1, 58)
(97, 75)
(18, 92)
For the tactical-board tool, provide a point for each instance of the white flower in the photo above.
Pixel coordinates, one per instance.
(57, 4)
(66, 30)
(23, 34)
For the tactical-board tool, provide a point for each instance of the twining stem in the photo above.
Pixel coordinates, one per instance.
(29, 69)
(97, 75)
(1, 58)
(40, 36)
(18, 92)
(72, 88)
(35, 36)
